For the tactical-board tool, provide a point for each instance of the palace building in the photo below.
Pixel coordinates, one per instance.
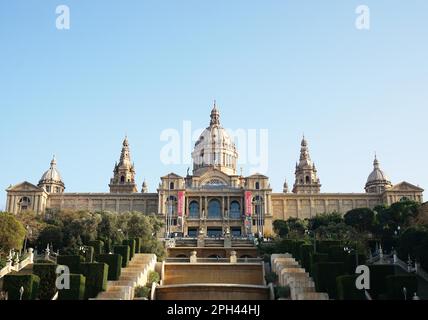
(214, 199)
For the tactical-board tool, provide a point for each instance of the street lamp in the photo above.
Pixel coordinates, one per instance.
(314, 235)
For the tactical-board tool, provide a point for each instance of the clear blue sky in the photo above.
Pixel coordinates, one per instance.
(139, 67)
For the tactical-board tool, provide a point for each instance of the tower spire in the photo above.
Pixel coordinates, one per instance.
(123, 180)
(307, 180)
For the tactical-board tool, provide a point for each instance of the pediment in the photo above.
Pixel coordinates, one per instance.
(405, 186)
(172, 175)
(25, 186)
(215, 177)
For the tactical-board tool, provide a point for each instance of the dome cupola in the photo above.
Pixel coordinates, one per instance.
(215, 148)
(378, 181)
(51, 180)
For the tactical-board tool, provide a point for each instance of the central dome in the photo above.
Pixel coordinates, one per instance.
(214, 148)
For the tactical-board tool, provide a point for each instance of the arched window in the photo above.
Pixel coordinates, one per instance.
(257, 185)
(214, 209)
(235, 210)
(308, 179)
(122, 179)
(171, 186)
(194, 209)
(24, 203)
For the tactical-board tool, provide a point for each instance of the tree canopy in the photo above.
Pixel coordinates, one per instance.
(12, 233)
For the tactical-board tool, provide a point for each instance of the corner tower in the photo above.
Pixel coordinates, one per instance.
(123, 180)
(307, 180)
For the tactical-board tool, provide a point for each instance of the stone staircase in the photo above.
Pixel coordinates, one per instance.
(289, 272)
(135, 275)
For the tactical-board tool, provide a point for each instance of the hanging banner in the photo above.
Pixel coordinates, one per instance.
(180, 203)
(248, 203)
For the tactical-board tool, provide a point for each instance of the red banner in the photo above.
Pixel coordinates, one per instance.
(180, 203)
(248, 203)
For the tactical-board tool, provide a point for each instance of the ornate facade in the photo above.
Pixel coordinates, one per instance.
(214, 199)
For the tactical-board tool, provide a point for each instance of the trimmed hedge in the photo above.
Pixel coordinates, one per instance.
(124, 251)
(89, 254)
(351, 262)
(13, 283)
(77, 288)
(138, 243)
(347, 290)
(72, 262)
(285, 246)
(336, 254)
(131, 244)
(316, 258)
(96, 275)
(295, 251)
(396, 283)
(323, 246)
(47, 275)
(98, 246)
(378, 274)
(305, 256)
(325, 274)
(114, 262)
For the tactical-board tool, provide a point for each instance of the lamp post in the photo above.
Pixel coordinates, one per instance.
(314, 236)
(349, 250)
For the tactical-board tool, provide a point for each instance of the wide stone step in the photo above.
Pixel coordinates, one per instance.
(312, 296)
(122, 283)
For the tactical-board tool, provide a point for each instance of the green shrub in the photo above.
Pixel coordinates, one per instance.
(114, 262)
(124, 251)
(396, 283)
(347, 290)
(316, 258)
(154, 277)
(142, 292)
(98, 246)
(47, 274)
(305, 256)
(325, 274)
(96, 275)
(138, 242)
(282, 292)
(131, 244)
(271, 277)
(72, 262)
(13, 283)
(77, 288)
(378, 274)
